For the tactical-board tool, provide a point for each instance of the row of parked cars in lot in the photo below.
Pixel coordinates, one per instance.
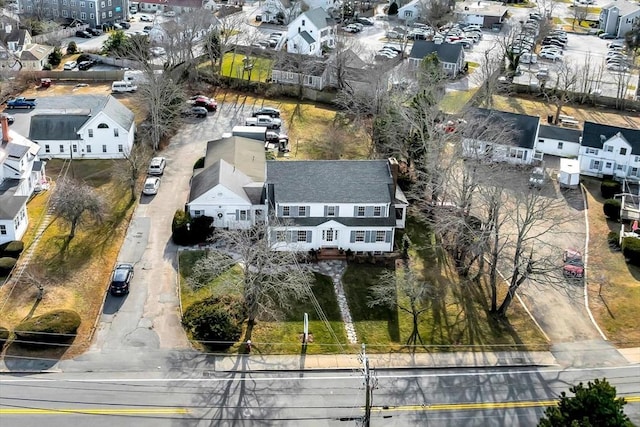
(270, 42)
(357, 25)
(616, 59)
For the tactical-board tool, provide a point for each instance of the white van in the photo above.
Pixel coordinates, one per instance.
(122, 86)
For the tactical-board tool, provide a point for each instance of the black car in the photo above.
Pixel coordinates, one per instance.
(125, 25)
(85, 65)
(199, 112)
(121, 279)
(94, 31)
(83, 34)
(267, 111)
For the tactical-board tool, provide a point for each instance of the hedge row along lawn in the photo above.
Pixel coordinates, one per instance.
(77, 279)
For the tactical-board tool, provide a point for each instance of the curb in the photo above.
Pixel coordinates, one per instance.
(392, 368)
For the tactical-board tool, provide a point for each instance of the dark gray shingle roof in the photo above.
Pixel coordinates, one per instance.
(447, 52)
(307, 37)
(330, 181)
(524, 127)
(559, 133)
(17, 151)
(10, 204)
(591, 136)
(56, 127)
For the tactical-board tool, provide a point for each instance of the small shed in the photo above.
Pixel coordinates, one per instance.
(569, 176)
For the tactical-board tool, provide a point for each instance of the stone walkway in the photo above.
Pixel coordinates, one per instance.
(335, 269)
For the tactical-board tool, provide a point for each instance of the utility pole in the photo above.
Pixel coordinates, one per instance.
(370, 384)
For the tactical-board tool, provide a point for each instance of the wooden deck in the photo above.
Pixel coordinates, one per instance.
(331, 253)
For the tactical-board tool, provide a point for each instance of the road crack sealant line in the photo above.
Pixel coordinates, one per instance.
(585, 285)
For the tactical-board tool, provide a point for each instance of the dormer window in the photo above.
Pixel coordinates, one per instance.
(103, 126)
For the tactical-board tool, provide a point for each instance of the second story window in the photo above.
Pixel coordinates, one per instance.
(302, 211)
(377, 211)
(623, 151)
(360, 211)
(286, 211)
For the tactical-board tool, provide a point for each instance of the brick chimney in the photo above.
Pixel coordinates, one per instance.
(394, 168)
(5, 128)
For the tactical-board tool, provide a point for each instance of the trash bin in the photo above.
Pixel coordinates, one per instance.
(550, 119)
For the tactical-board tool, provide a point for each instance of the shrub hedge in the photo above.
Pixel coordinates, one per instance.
(197, 231)
(216, 321)
(13, 249)
(631, 250)
(611, 209)
(58, 326)
(6, 264)
(609, 188)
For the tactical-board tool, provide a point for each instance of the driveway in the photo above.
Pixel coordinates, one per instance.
(148, 318)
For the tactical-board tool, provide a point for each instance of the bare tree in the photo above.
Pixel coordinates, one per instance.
(76, 202)
(163, 97)
(563, 89)
(223, 39)
(180, 36)
(270, 282)
(408, 292)
(547, 8)
(580, 14)
(589, 78)
(487, 75)
(622, 79)
(133, 167)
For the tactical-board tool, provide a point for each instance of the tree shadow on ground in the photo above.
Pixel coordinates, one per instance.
(24, 357)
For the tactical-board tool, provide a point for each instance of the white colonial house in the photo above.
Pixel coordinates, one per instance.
(411, 11)
(335, 204)
(310, 32)
(82, 127)
(610, 150)
(559, 141)
(230, 186)
(21, 173)
(516, 146)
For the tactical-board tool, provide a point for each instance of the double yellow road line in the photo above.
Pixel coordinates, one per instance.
(479, 405)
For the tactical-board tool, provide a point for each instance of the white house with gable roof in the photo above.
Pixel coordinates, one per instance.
(610, 150)
(21, 173)
(310, 32)
(340, 204)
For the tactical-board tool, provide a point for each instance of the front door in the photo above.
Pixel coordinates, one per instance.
(330, 237)
(218, 219)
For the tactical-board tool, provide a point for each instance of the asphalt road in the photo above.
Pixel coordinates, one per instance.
(495, 397)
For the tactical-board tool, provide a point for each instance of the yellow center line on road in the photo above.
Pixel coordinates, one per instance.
(479, 405)
(92, 411)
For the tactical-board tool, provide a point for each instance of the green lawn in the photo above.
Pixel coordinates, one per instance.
(278, 337)
(233, 66)
(454, 102)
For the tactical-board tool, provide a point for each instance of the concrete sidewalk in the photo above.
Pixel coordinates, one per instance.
(255, 362)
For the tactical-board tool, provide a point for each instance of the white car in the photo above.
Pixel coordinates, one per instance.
(157, 165)
(617, 67)
(394, 35)
(146, 18)
(151, 186)
(546, 54)
(157, 51)
(392, 47)
(70, 65)
(549, 49)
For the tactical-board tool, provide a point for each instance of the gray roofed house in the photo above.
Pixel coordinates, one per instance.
(230, 186)
(595, 135)
(330, 181)
(348, 204)
(501, 136)
(319, 29)
(450, 55)
(618, 17)
(87, 126)
(54, 127)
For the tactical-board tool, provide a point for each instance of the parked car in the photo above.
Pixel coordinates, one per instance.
(617, 67)
(151, 186)
(616, 45)
(157, 51)
(267, 111)
(350, 29)
(70, 65)
(607, 36)
(10, 119)
(553, 49)
(365, 21)
(394, 35)
(85, 65)
(94, 31)
(121, 279)
(553, 56)
(199, 112)
(146, 18)
(124, 25)
(573, 264)
(157, 165)
(209, 103)
(83, 34)
(392, 47)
